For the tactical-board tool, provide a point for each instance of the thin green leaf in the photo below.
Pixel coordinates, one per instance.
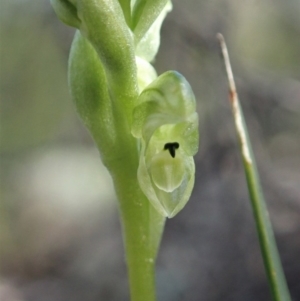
(273, 267)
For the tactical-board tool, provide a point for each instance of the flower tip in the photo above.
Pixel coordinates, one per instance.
(171, 212)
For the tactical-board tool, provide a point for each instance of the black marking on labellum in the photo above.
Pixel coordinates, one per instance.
(171, 146)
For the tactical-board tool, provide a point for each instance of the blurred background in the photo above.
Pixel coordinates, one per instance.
(60, 237)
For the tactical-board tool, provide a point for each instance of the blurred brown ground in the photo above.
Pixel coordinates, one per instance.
(60, 238)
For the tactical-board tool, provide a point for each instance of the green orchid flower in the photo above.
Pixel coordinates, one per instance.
(166, 124)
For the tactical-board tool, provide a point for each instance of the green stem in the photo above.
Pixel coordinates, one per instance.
(142, 227)
(273, 267)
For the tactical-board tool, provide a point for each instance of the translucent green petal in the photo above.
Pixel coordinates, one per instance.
(149, 44)
(167, 203)
(144, 14)
(167, 100)
(167, 173)
(145, 72)
(175, 201)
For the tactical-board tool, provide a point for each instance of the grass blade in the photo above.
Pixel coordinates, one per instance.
(267, 241)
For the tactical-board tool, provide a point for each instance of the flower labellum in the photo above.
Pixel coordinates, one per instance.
(166, 123)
